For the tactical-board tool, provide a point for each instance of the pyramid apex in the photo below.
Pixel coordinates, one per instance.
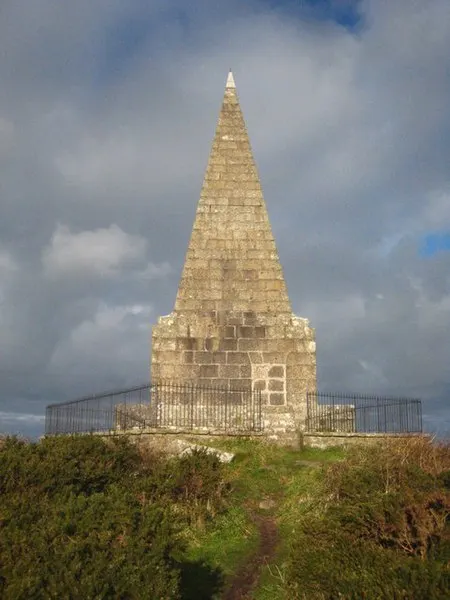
(230, 80)
(231, 241)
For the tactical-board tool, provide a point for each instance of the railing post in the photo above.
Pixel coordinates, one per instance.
(192, 409)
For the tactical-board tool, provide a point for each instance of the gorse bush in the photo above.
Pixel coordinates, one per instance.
(199, 484)
(74, 464)
(85, 518)
(384, 532)
(327, 564)
(97, 546)
(395, 495)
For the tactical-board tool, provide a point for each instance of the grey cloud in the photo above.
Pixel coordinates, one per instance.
(103, 252)
(349, 133)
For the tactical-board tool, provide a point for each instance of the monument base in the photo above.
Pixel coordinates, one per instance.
(275, 354)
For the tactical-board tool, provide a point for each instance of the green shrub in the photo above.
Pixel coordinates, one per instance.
(80, 464)
(394, 495)
(198, 483)
(81, 517)
(97, 546)
(384, 532)
(326, 564)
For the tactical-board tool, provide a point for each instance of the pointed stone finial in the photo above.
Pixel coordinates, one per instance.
(231, 225)
(230, 80)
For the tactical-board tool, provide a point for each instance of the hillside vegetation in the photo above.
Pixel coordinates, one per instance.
(82, 517)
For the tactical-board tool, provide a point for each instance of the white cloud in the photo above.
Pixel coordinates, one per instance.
(153, 271)
(12, 417)
(106, 319)
(102, 252)
(437, 209)
(113, 335)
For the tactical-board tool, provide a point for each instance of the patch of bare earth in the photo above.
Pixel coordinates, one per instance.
(247, 577)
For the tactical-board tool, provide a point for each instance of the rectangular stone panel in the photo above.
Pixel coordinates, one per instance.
(235, 319)
(219, 358)
(245, 332)
(255, 357)
(229, 371)
(250, 317)
(277, 399)
(188, 357)
(237, 358)
(174, 372)
(166, 356)
(209, 370)
(276, 385)
(201, 358)
(274, 357)
(299, 371)
(229, 344)
(245, 345)
(187, 343)
(276, 371)
(241, 384)
(245, 371)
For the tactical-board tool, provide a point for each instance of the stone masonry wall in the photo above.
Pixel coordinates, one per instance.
(243, 350)
(232, 323)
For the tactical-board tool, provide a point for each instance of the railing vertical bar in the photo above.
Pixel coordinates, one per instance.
(192, 411)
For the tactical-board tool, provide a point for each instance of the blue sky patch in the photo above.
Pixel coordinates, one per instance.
(434, 243)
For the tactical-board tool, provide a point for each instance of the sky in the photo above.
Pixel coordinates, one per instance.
(107, 113)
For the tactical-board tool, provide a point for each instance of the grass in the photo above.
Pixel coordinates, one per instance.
(259, 471)
(227, 544)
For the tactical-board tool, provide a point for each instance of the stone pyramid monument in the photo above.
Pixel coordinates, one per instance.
(232, 324)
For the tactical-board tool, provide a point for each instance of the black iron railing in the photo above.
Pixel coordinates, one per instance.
(163, 405)
(347, 413)
(196, 407)
(98, 412)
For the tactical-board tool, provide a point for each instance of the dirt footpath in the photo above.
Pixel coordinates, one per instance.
(247, 577)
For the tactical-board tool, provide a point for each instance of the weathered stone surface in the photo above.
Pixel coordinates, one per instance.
(232, 322)
(267, 504)
(331, 440)
(277, 371)
(276, 385)
(187, 448)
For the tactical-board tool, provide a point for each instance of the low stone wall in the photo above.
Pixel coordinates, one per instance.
(329, 439)
(173, 443)
(163, 436)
